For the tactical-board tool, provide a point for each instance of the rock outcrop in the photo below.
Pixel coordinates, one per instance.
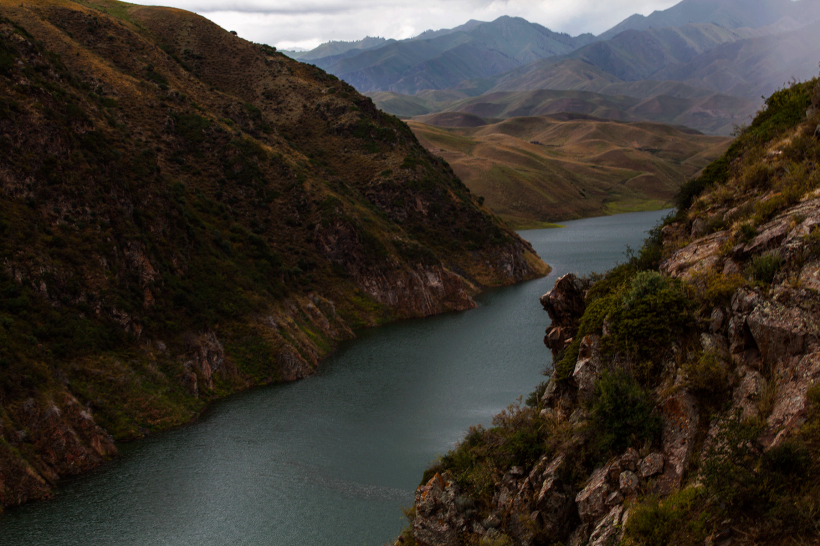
(565, 306)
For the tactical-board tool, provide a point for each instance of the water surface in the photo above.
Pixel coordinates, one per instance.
(329, 460)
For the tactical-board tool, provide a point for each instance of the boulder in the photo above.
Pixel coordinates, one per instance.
(565, 306)
(780, 331)
(579, 537)
(608, 530)
(810, 276)
(718, 320)
(628, 483)
(591, 500)
(769, 237)
(438, 521)
(629, 460)
(651, 465)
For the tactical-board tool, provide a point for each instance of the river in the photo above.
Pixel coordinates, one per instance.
(329, 460)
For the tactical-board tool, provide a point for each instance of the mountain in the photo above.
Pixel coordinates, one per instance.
(186, 214)
(329, 49)
(540, 169)
(755, 67)
(683, 404)
(731, 14)
(630, 56)
(429, 34)
(446, 59)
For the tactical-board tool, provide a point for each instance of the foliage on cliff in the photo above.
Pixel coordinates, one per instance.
(184, 214)
(683, 407)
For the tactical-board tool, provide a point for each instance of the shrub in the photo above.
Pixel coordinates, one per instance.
(746, 232)
(729, 466)
(719, 288)
(707, 375)
(499, 540)
(658, 523)
(645, 283)
(622, 414)
(763, 268)
(648, 328)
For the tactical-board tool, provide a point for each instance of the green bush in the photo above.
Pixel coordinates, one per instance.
(729, 467)
(672, 521)
(647, 329)
(763, 268)
(644, 284)
(746, 232)
(707, 375)
(622, 414)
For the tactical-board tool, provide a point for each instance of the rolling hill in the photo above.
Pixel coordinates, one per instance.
(705, 111)
(533, 170)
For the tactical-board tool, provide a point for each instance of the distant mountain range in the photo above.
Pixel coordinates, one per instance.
(717, 48)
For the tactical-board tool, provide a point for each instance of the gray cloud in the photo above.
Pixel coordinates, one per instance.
(288, 23)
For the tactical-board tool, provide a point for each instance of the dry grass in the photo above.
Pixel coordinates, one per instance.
(541, 169)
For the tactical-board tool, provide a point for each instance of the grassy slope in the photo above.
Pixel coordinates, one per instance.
(164, 182)
(578, 168)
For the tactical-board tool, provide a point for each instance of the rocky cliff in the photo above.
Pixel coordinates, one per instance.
(184, 214)
(682, 407)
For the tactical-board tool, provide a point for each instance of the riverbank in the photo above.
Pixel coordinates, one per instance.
(332, 458)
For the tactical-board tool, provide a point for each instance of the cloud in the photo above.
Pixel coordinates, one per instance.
(285, 23)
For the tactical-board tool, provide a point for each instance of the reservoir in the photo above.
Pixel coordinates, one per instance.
(332, 459)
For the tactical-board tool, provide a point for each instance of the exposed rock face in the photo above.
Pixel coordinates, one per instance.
(780, 331)
(421, 292)
(565, 305)
(794, 381)
(67, 440)
(588, 365)
(592, 499)
(680, 428)
(438, 520)
(554, 499)
(608, 531)
(699, 256)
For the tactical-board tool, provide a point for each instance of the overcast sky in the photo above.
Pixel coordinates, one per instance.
(307, 23)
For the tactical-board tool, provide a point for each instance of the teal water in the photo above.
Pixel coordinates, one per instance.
(329, 460)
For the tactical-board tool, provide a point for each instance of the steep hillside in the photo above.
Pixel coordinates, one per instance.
(185, 214)
(683, 405)
(731, 14)
(533, 170)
